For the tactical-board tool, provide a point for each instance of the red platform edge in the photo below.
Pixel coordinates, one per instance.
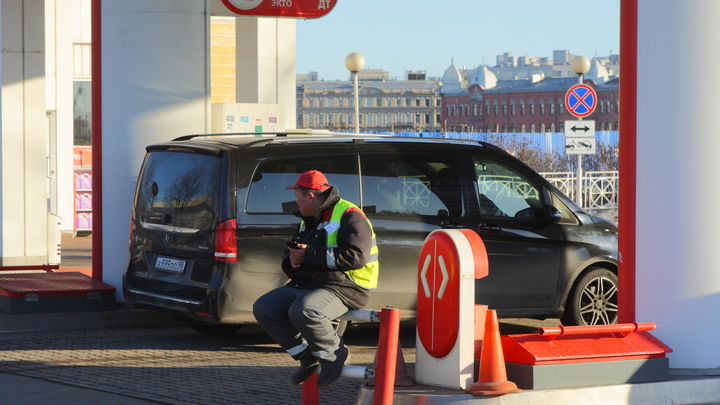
(51, 285)
(536, 349)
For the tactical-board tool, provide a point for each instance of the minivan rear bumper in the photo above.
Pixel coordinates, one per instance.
(223, 305)
(176, 306)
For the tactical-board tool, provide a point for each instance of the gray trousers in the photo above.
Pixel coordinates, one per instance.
(298, 319)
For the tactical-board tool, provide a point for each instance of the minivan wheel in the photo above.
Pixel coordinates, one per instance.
(214, 329)
(593, 299)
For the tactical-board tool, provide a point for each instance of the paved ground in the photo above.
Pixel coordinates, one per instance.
(170, 365)
(165, 366)
(76, 251)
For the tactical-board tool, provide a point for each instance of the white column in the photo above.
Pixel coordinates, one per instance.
(60, 21)
(22, 133)
(155, 86)
(265, 53)
(678, 238)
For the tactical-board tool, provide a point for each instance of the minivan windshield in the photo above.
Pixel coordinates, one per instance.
(179, 190)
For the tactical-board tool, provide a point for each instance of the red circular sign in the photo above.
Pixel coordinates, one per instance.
(438, 307)
(281, 8)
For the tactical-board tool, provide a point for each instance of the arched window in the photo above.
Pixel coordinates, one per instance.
(504, 108)
(532, 107)
(512, 108)
(532, 128)
(487, 111)
(522, 107)
(542, 127)
(522, 128)
(561, 108)
(542, 107)
(512, 128)
(552, 127)
(475, 109)
(552, 107)
(496, 109)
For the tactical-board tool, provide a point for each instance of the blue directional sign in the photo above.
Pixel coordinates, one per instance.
(581, 100)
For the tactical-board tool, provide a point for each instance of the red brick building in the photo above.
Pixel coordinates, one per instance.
(481, 103)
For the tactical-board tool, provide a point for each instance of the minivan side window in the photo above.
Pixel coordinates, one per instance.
(267, 194)
(506, 192)
(180, 191)
(411, 185)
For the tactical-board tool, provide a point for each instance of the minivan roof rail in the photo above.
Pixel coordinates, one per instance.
(291, 132)
(248, 134)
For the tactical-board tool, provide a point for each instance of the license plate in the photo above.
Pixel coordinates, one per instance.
(171, 265)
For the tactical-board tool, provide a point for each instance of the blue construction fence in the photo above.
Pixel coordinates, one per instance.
(546, 141)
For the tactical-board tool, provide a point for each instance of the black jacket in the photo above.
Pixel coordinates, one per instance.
(354, 241)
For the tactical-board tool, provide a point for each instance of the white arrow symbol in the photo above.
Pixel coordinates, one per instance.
(445, 279)
(423, 273)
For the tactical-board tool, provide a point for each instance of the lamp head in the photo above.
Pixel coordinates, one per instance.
(580, 65)
(355, 62)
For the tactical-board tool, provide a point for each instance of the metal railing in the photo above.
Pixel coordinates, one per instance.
(600, 189)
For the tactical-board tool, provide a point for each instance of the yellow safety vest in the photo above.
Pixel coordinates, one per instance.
(366, 277)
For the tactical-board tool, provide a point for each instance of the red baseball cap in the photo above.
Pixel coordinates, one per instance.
(312, 179)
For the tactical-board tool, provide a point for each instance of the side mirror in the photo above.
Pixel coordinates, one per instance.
(553, 214)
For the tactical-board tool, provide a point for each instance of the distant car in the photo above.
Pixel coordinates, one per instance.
(211, 215)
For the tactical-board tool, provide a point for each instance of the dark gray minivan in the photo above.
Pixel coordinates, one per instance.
(211, 215)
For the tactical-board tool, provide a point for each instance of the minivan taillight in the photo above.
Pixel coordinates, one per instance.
(226, 241)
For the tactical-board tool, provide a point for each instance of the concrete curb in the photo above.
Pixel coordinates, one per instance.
(676, 391)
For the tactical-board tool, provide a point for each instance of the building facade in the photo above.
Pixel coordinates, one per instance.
(384, 105)
(485, 104)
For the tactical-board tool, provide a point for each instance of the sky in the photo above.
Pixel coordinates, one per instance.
(402, 35)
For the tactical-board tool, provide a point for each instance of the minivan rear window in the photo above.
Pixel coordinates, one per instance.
(179, 190)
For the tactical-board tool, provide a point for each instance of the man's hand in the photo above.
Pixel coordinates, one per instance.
(297, 256)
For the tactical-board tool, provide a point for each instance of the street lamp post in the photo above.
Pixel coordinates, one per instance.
(355, 63)
(580, 65)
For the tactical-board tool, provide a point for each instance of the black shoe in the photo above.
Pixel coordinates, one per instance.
(303, 373)
(331, 370)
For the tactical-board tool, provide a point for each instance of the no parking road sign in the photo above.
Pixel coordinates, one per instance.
(581, 100)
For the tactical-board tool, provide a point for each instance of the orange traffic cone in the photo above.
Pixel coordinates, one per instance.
(402, 377)
(493, 377)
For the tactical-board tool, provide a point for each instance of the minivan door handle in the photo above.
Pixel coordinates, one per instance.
(451, 225)
(484, 226)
